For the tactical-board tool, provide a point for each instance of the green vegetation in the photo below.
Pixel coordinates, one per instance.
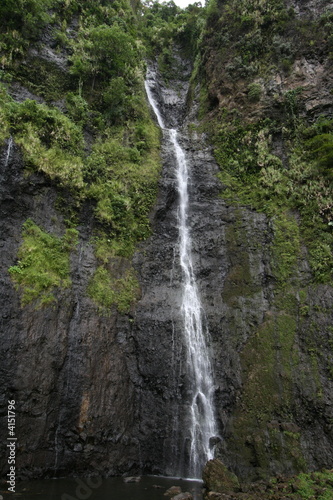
(247, 38)
(253, 175)
(316, 485)
(103, 99)
(123, 181)
(254, 91)
(275, 161)
(43, 264)
(21, 23)
(285, 248)
(107, 291)
(275, 156)
(164, 25)
(312, 486)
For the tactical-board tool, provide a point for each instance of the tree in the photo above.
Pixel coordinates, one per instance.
(104, 50)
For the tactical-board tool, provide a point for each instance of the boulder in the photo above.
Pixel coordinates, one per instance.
(132, 479)
(183, 496)
(218, 478)
(174, 490)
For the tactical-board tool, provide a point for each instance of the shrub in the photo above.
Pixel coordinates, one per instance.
(321, 148)
(107, 291)
(50, 141)
(105, 50)
(77, 107)
(254, 91)
(43, 263)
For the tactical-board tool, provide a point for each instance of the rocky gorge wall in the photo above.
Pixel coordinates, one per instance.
(105, 394)
(64, 365)
(270, 346)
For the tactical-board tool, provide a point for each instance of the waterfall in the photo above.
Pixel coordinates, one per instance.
(9, 149)
(201, 417)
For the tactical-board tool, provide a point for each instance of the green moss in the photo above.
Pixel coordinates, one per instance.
(268, 362)
(286, 300)
(285, 248)
(239, 281)
(285, 331)
(43, 264)
(312, 349)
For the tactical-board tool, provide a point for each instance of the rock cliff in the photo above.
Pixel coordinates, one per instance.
(104, 393)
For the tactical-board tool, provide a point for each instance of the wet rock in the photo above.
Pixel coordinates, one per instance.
(183, 496)
(213, 495)
(132, 479)
(218, 478)
(172, 491)
(68, 362)
(290, 427)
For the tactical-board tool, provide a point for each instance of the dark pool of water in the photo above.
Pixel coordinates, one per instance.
(149, 488)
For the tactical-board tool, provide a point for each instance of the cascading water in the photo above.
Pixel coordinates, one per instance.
(9, 149)
(201, 416)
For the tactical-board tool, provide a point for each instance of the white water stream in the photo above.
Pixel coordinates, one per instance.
(202, 420)
(9, 149)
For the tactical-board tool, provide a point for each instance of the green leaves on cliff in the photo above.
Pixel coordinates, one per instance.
(245, 38)
(164, 24)
(122, 172)
(105, 50)
(255, 176)
(106, 290)
(317, 485)
(50, 141)
(21, 23)
(43, 264)
(270, 158)
(320, 146)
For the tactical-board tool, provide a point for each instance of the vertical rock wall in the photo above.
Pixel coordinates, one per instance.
(105, 394)
(65, 365)
(270, 345)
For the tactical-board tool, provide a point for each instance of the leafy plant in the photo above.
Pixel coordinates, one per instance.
(50, 141)
(106, 291)
(254, 91)
(103, 50)
(314, 485)
(252, 175)
(21, 22)
(43, 264)
(321, 148)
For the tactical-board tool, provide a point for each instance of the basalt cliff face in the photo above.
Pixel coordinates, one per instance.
(65, 365)
(272, 334)
(273, 398)
(105, 394)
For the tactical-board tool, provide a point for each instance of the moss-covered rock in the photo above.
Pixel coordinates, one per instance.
(218, 478)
